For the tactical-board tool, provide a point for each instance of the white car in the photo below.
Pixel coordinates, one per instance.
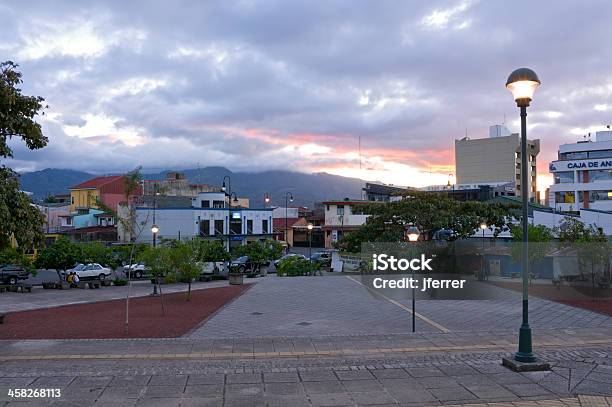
(136, 270)
(91, 270)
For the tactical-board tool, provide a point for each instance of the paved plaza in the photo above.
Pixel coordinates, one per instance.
(326, 341)
(340, 305)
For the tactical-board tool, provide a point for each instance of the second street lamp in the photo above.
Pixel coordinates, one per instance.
(413, 234)
(523, 83)
(310, 227)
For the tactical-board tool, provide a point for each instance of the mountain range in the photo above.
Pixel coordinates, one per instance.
(305, 188)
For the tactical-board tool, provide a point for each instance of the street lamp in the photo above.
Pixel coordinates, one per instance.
(228, 189)
(522, 83)
(266, 199)
(233, 194)
(483, 227)
(413, 234)
(310, 227)
(288, 196)
(155, 231)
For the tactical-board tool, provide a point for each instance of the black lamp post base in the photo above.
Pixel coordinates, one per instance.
(535, 366)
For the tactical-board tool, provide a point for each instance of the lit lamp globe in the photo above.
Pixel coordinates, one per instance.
(413, 233)
(483, 226)
(523, 83)
(154, 229)
(310, 226)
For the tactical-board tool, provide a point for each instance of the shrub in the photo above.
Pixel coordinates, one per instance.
(295, 266)
(119, 282)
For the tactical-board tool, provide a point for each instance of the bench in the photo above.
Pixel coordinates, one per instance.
(17, 287)
(89, 284)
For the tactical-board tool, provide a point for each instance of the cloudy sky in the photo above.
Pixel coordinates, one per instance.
(256, 85)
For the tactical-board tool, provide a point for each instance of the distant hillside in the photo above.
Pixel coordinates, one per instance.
(306, 188)
(51, 181)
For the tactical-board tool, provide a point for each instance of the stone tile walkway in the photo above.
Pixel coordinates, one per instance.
(338, 305)
(439, 369)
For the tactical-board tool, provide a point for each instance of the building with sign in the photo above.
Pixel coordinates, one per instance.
(583, 175)
(495, 161)
(209, 217)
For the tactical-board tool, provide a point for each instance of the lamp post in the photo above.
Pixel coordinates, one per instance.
(154, 228)
(310, 227)
(413, 234)
(233, 194)
(288, 196)
(522, 83)
(228, 189)
(266, 200)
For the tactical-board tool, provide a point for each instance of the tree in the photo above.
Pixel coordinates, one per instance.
(185, 266)
(430, 212)
(11, 255)
(260, 252)
(157, 260)
(590, 244)
(18, 218)
(60, 255)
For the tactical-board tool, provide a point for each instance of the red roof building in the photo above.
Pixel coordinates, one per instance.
(110, 190)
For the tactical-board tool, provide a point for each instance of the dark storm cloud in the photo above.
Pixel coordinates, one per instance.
(244, 83)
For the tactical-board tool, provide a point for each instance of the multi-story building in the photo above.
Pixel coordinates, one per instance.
(209, 217)
(384, 193)
(341, 217)
(583, 175)
(495, 160)
(176, 184)
(109, 190)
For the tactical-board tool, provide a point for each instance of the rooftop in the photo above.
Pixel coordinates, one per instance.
(97, 182)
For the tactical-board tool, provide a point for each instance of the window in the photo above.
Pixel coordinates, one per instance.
(204, 227)
(218, 204)
(600, 154)
(206, 204)
(600, 196)
(600, 175)
(250, 226)
(218, 227)
(72, 200)
(564, 177)
(264, 226)
(573, 155)
(68, 221)
(565, 197)
(340, 210)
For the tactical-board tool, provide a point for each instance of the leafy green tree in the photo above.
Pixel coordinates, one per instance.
(18, 218)
(60, 255)
(184, 263)
(260, 252)
(590, 244)
(210, 250)
(430, 212)
(11, 255)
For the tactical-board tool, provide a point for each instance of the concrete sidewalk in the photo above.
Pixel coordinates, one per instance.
(409, 370)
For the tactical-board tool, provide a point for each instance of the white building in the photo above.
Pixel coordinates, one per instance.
(583, 175)
(341, 217)
(209, 217)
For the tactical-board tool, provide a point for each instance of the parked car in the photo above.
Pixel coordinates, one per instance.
(11, 274)
(137, 270)
(213, 268)
(90, 271)
(287, 256)
(241, 264)
(323, 258)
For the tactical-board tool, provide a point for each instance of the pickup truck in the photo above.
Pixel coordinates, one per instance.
(10, 274)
